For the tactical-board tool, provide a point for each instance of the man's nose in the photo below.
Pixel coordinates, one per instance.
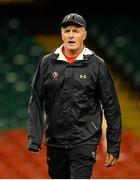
(71, 34)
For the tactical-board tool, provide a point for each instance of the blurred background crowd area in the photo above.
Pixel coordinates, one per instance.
(30, 29)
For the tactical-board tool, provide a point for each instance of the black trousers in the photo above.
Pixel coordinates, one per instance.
(75, 163)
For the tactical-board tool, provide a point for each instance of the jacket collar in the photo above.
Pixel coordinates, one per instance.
(60, 56)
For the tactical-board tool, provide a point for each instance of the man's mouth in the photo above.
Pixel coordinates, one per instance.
(71, 42)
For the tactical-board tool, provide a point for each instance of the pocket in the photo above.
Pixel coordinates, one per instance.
(92, 123)
(90, 128)
(96, 120)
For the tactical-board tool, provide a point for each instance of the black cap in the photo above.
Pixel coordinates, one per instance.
(73, 18)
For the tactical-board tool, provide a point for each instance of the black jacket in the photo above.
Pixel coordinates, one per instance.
(73, 96)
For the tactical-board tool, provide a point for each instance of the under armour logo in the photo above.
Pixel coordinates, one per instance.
(83, 76)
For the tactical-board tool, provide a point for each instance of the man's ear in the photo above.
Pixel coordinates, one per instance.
(85, 35)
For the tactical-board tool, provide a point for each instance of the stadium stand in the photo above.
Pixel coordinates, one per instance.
(19, 55)
(119, 38)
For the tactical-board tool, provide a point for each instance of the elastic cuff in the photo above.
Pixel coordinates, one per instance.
(34, 147)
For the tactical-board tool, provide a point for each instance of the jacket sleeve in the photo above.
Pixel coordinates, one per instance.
(112, 111)
(35, 110)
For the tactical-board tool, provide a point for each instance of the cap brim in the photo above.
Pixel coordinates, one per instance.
(68, 23)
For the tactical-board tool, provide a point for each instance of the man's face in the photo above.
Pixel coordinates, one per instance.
(73, 37)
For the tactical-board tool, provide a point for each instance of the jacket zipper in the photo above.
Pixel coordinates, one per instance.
(94, 125)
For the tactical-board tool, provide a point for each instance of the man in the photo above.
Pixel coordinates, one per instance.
(72, 85)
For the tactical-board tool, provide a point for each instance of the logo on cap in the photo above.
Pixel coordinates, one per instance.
(69, 16)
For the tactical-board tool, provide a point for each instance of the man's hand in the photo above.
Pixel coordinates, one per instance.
(110, 160)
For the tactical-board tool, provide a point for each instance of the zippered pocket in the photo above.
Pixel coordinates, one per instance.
(94, 125)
